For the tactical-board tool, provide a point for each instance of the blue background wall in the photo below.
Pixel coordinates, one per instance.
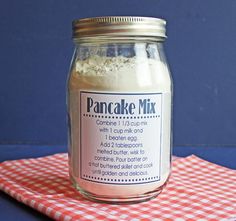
(36, 48)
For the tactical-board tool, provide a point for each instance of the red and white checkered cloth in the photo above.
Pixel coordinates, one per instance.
(197, 190)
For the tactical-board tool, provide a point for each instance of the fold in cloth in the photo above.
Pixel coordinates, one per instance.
(197, 190)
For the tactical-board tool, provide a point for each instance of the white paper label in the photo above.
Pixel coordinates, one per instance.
(120, 137)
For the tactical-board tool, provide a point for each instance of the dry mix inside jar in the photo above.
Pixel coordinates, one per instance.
(119, 104)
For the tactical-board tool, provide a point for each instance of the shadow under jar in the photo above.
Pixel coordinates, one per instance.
(119, 109)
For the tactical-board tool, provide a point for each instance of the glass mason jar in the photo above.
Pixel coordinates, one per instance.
(119, 109)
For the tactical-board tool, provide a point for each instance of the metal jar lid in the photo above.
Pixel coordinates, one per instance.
(120, 26)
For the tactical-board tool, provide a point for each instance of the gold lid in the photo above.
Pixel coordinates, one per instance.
(120, 26)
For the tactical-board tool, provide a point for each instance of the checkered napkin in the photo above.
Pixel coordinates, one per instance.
(197, 190)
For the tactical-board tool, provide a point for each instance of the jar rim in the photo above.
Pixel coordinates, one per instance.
(120, 26)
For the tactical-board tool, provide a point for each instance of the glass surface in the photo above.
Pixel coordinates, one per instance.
(125, 67)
